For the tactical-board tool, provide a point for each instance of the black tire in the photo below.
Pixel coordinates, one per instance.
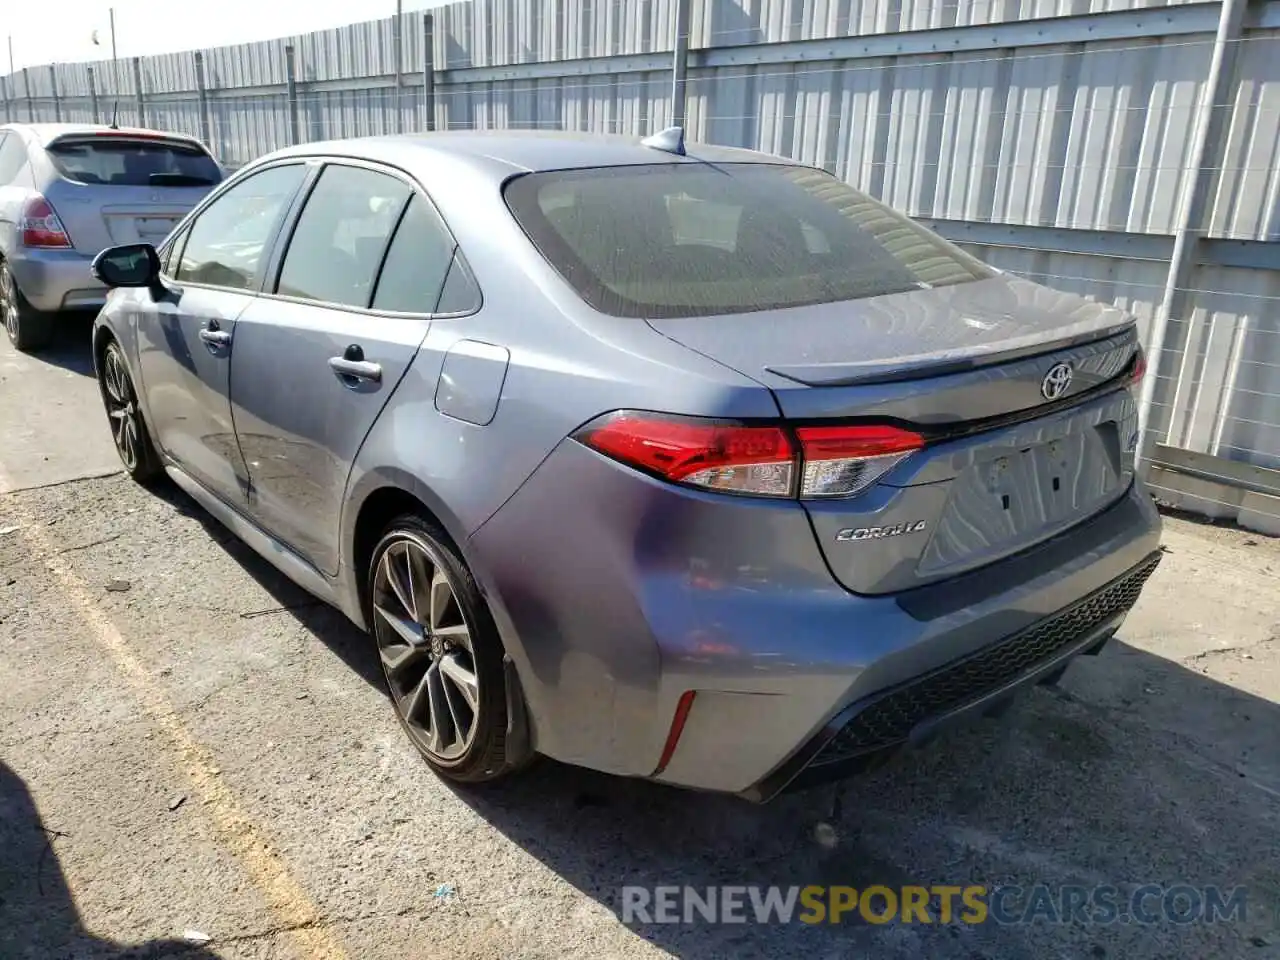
(28, 328)
(406, 663)
(128, 429)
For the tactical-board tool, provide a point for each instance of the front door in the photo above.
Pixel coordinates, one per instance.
(314, 364)
(186, 336)
(184, 352)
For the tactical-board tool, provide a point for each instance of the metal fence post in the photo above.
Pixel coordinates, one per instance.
(93, 94)
(429, 71)
(291, 92)
(26, 87)
(680, 63)
(1209, 135)
(397, 41)
(137, 86)
(57, 101)
(202, 92)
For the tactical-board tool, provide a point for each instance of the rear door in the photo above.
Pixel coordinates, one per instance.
(315, 362)
(116, 187)
(186, 337)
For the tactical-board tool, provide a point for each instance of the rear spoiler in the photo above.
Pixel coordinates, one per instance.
(126, 134)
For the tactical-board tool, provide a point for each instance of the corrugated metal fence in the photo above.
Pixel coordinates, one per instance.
(1122, 149)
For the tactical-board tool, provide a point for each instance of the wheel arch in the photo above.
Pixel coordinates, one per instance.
(108, 326)
(373, 501)
(102, 335)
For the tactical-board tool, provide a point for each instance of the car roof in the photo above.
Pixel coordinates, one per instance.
(46, 133)
(502, 153)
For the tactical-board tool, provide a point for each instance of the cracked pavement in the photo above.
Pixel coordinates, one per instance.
(202, 747)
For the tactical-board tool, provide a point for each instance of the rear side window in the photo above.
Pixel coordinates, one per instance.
(416, 263)
(678, 239)
(133, 163)
(461, 294)
(342, 235)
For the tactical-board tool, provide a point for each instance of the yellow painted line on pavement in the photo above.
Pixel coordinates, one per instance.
(300, 918)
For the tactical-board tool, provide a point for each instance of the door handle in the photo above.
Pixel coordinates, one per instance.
(356, 369)
(215, 337)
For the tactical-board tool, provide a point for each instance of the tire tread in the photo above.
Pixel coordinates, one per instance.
(35, 328)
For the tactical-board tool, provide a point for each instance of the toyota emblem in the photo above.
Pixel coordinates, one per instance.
(1056, 381)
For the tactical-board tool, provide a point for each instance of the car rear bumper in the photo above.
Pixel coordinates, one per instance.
(617, 594)
(53, 280)
(874, 727)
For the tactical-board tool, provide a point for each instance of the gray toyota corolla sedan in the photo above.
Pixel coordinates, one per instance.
(695, 465)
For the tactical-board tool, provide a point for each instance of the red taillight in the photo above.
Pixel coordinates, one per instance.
(718, 456)
(1139, 368)
(41, 227)
(842, 461)
(761, 461)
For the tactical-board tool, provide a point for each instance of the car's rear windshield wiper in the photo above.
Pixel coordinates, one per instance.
(180, 180)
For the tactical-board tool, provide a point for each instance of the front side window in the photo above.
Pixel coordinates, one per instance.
(171, 250)
(677, 240)
(342, 235)
(230, 239)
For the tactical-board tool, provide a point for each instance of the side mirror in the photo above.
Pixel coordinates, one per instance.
(129, 265)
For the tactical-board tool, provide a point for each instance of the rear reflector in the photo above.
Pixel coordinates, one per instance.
(751, 460)
(703, 453)
(683, 706)
(41, 227)
(843, 461)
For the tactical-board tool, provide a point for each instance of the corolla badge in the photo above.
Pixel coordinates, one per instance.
(1056, 381)
(879, 533)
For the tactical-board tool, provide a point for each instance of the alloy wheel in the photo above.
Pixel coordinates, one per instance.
(121, 408)
(9, 303)
(424, 642)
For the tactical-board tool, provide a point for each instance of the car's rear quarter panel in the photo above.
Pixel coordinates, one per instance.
(659, 589)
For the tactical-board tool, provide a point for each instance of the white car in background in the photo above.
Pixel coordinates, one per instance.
(68, 191)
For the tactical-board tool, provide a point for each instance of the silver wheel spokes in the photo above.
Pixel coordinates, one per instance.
(425, 646)
(120, 408)
(9, 303)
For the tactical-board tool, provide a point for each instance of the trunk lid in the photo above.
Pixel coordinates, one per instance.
(118, 188)
(1013, 457)
(898, 337)
(106, 216)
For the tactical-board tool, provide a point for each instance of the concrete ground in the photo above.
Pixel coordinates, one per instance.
(189, 743)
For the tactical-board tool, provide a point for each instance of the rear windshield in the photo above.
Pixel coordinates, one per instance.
(134, 163)
(683, 239)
